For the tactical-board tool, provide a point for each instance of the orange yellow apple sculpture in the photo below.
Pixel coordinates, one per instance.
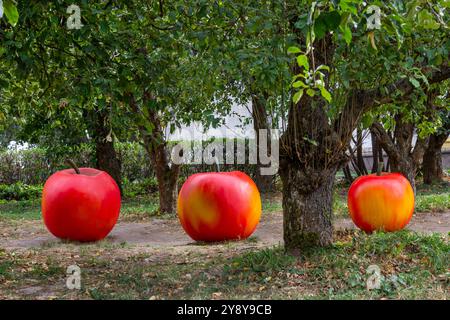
(381, 202)
(219, 206)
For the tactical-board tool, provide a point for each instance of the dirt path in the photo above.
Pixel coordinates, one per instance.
(165, 233)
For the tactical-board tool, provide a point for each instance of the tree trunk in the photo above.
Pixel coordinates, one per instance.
(347, 174)
(106, 156)
(167, 177)
(432, 159)
(307, 212)
(265, 183)
(312, 149)
(359, 152)
(156, 146)
(375, 152)
(166, 173)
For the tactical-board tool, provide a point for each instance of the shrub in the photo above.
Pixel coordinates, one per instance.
(20, 191)
(33, 166)
(139, 188)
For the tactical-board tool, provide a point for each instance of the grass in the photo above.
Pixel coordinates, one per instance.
(434, 198)
(137, 208)
(25, 209)
(132, 209)
(433, 202)
(412, 266)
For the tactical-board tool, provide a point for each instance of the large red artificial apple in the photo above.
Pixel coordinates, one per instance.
(80, 206)
(219, 206)
(381, 202)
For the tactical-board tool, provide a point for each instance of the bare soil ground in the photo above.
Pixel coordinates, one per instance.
(167, 233)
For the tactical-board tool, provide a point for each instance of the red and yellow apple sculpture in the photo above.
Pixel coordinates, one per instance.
(81, 206)
(219, 206)
(381, 202)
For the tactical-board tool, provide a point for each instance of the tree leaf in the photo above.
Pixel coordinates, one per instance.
(414, 82)
(323, 67)
(427, 21)
(313, 142)
(11, 12)
(293, 50)
(320, 28)
(371, 38)
(347, 34)
(297, 96)
(298, 84)
(302, 61)
(325, 93)
(311, 92)
(327, 21)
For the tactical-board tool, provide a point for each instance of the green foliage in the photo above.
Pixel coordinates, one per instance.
(140, 188)
(19, 191)
(33, 166)
(413, 35)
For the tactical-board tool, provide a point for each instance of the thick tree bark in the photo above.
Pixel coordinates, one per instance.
(166, 173)
(432, 159)
(311, 152)
(307, 212)
(156, 146)
(265, 183)
(407, 168)
(106, 156)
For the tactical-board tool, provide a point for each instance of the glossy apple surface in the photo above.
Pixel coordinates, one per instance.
(219, 206)
(384, 202)
(80, 207)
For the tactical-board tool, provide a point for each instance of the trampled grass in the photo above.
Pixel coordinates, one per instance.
(412, 266)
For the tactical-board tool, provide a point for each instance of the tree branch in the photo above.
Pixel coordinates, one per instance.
(385, 140)
(361, 101)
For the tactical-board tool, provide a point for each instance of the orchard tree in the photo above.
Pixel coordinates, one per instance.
(347, 65)
(128, 67)
(404, 153)
(47, 84)
(253, 58)
(344, 71)
(165, 80)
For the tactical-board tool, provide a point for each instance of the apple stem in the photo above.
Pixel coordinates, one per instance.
(73, 165)
(380, 168)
